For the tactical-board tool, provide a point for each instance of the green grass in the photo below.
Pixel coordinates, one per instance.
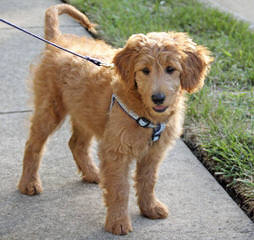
(221, 115)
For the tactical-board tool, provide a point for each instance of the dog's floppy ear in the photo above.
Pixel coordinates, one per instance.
(195, 64)
(125, 58)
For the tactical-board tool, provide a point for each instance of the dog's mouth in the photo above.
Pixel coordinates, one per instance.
(160, 108)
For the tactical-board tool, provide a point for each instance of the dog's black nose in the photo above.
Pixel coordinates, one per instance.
(158, 98)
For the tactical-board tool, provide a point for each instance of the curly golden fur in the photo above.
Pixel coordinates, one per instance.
(164, 65)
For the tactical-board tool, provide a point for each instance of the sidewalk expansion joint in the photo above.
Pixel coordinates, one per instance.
(14, 112)
(41, 27)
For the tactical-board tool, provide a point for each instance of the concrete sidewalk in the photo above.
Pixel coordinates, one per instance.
(68, 209)
(242, 9)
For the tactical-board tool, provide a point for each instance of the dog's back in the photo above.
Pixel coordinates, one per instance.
(69, 81)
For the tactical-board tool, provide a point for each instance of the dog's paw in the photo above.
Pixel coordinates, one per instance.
(119, 227)
(91, 177)
(156, 210)
(30, 188)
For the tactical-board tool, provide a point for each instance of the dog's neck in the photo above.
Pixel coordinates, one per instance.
(133, 101)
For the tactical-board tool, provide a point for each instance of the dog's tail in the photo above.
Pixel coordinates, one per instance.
(52, 24)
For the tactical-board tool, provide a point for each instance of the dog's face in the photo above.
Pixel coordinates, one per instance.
(160, 66)
(157, 79)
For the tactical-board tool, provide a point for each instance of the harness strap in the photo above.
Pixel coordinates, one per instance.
(141, 121)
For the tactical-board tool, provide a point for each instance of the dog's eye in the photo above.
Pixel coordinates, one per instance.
(169, 70)
(146, 71)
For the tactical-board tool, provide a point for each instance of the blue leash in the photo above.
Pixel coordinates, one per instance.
(92, 60)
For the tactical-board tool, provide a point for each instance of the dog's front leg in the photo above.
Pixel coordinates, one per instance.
(146, 175)
(114, 170)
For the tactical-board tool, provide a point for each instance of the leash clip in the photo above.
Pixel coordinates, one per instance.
(107, 65)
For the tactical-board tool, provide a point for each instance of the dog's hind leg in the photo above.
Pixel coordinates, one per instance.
(79, 144)
(47, 117)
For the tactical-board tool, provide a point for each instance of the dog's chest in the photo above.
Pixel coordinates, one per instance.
(140, 141)
(134, 140)
(127, 136)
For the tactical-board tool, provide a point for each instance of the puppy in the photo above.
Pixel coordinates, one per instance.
(134, 110)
